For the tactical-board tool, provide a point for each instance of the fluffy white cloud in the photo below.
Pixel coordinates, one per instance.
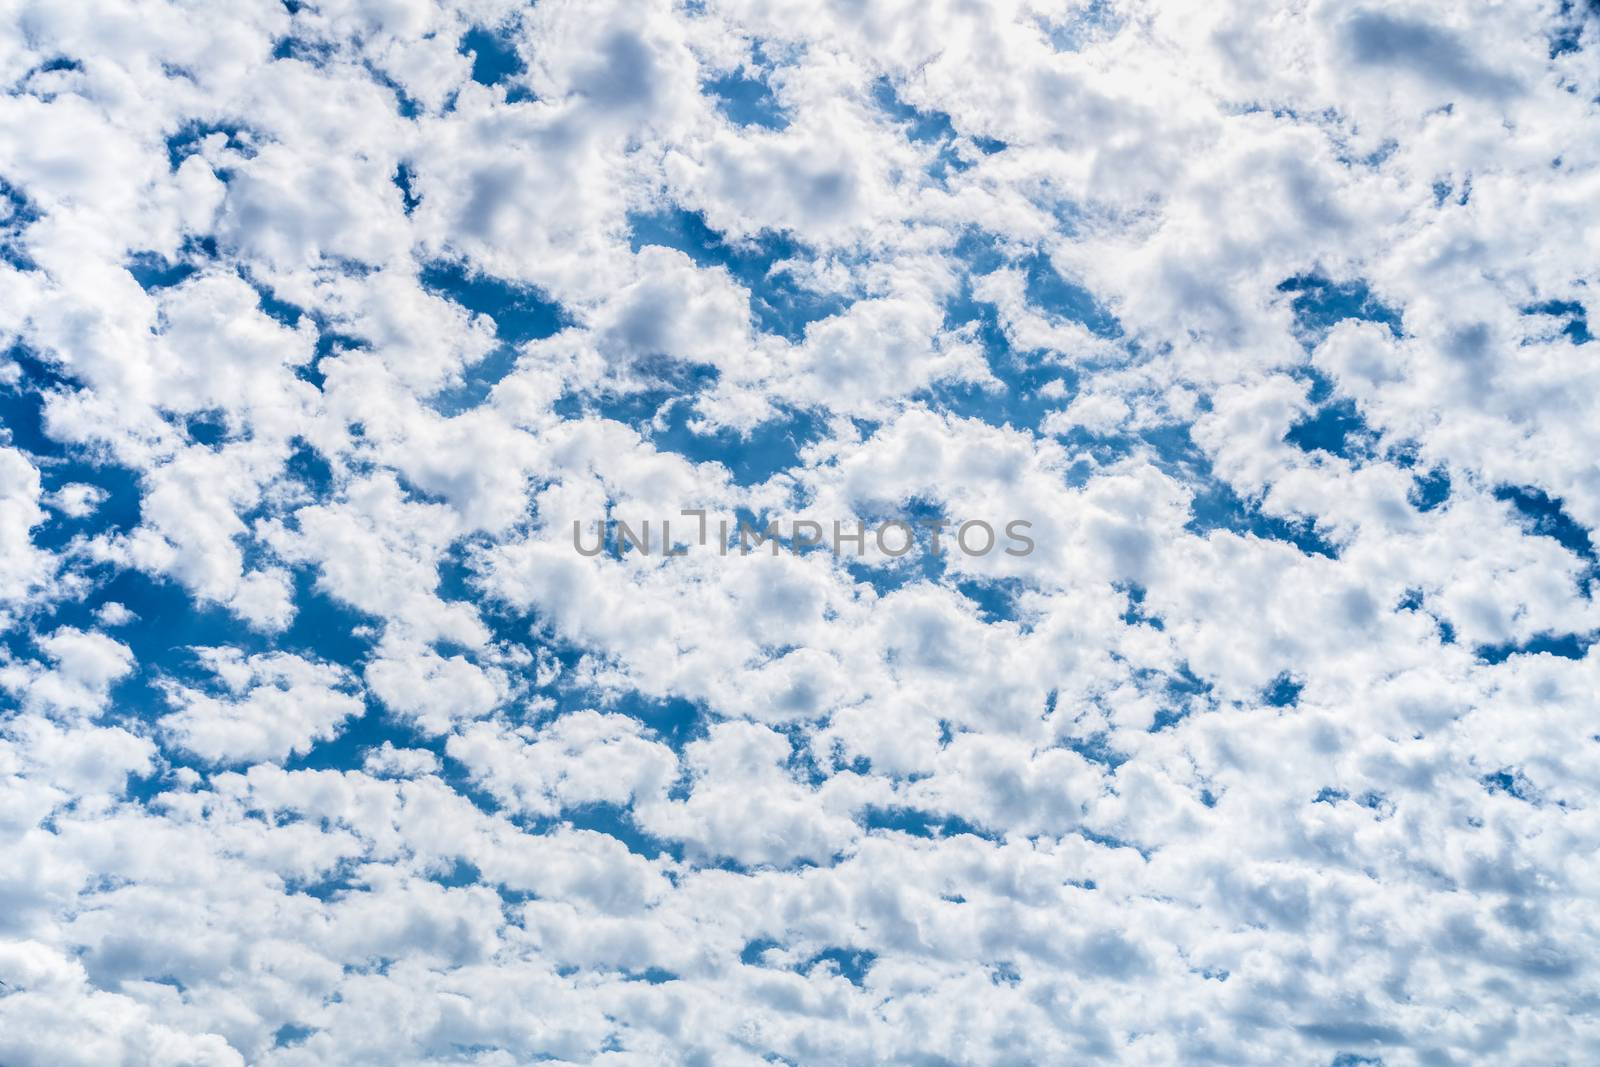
(24, 569)
(270, 706)
(77, 678)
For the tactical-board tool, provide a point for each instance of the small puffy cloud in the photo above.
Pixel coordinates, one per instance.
(266, 707)
(113, 613)
(76, 681)
(388, 761)
(585, 757)
(433, 690)
(77, 500)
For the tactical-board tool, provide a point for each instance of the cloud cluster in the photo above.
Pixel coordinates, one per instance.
(324, 320)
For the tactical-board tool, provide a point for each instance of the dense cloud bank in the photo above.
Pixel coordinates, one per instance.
(325, 320)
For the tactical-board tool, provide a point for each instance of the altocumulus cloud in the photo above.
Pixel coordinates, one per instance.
(325, 320)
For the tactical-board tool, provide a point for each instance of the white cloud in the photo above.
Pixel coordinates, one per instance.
(400, 762)
(24, 569)
(269, 707)
(83, 666)
(1274, 320)
(582, 758)
(77, 499)
(53, 1015)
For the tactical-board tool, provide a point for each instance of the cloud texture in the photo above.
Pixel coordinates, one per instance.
(324, 320)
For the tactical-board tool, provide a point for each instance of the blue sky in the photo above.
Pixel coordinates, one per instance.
(324, 322)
